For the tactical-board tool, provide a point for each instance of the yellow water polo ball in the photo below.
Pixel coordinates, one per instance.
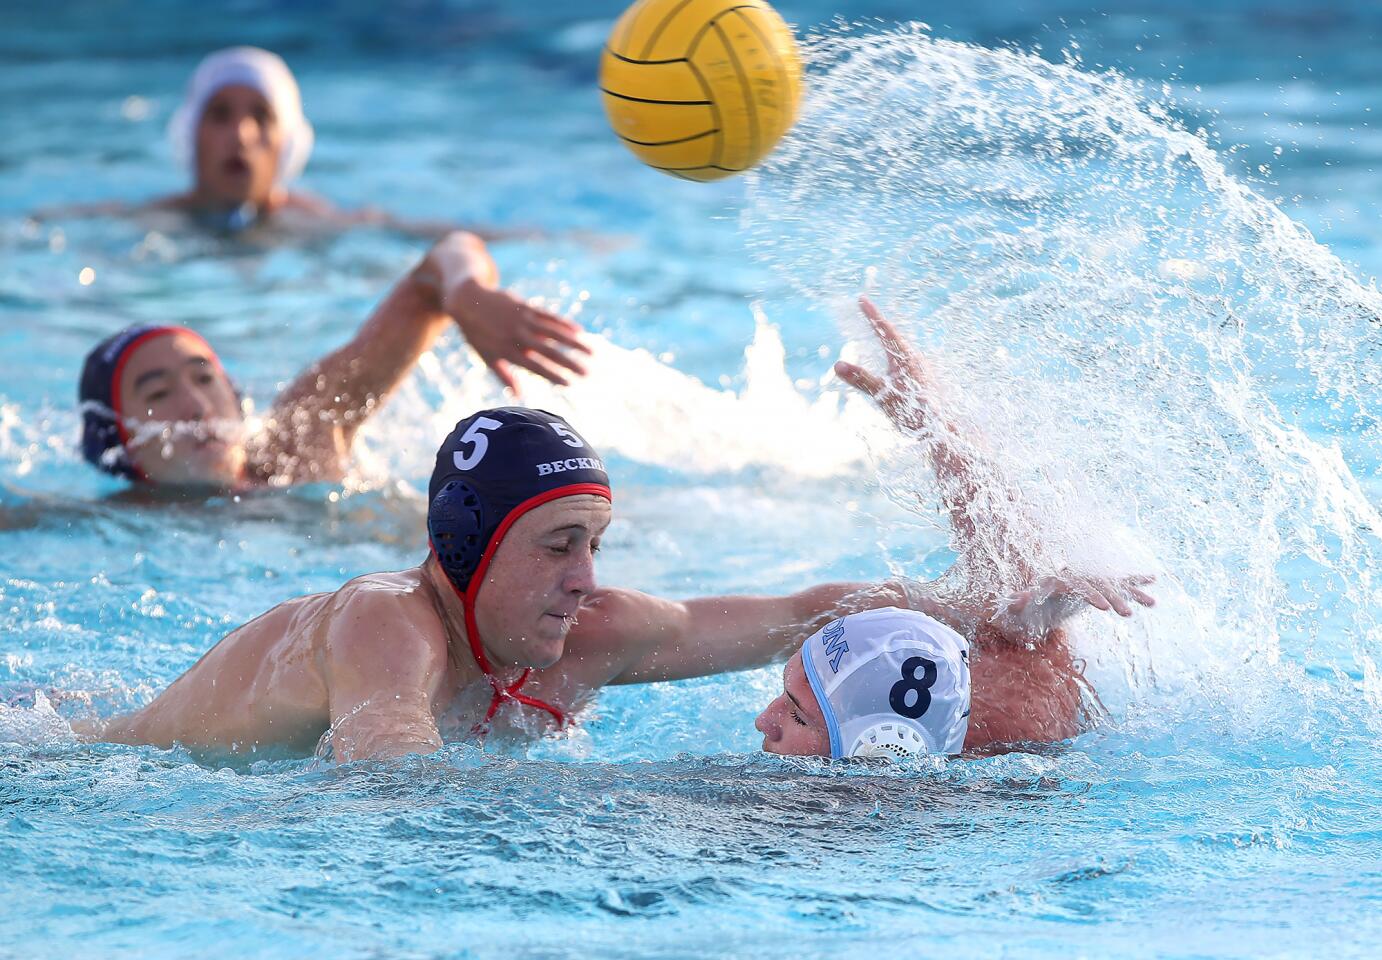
(700, 89)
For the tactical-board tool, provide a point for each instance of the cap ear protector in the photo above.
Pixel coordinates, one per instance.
(102, 445)
(496, 466)
(891, 741)
(455, 524)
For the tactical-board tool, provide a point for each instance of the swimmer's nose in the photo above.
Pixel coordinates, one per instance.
(771, 731)
(580, 579)
(247, 131)
(196, 405)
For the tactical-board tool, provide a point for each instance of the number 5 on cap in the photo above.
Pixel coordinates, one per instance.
(568, 436)
(473, 435)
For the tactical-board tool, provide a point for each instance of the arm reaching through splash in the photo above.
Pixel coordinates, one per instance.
(912, 398)
(975, 497)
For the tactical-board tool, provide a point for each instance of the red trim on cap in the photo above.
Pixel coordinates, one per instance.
(472, 591)
(115, 377)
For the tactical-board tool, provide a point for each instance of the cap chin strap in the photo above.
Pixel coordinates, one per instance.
(501, 692)
(472, 631)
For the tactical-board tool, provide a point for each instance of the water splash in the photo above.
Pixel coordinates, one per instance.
(636, 406)
(37, 725)
(1144, 344)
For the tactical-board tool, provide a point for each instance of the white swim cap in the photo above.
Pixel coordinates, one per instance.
(890, 682)
(250, 67)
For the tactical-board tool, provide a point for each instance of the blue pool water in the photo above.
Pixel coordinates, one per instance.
(1182, 373)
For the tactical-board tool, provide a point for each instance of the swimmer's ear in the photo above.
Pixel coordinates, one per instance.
(455, 521)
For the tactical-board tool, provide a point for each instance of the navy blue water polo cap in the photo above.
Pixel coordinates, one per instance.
(103, 424)
(494, 467)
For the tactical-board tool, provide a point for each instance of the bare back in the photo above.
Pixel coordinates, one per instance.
(1021, 695)
(268, 682)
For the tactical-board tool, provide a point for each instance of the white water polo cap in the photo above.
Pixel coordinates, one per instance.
(259, 70)
(890, 682)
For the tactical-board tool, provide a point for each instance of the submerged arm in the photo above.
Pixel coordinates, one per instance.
(383, 676)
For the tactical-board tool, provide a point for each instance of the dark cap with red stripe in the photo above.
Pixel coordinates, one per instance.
(494, 463)
(494, 467)
(103, 430)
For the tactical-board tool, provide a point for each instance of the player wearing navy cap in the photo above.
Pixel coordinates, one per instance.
(158, 408)
(503, 632)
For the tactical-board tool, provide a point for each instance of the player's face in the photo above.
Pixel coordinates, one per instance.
(534, 585)
(238, 146)
(793, 725)
(181, 414)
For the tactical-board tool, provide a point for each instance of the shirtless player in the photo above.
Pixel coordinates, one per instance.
(978, 677)
(501, 631)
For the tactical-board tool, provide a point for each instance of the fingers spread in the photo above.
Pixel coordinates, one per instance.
(565, 335)
(558, 357)
(1142, 597)
(544, 370)
(1092, 596)
(504, 372)
(554, 317)
(887, 334)
(1116, 600)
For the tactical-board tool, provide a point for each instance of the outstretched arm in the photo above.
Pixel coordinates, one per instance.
(316, 417)
(651, 639)
(911, 396)
(913, 399)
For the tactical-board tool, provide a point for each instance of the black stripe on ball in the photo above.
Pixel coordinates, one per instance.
(674, 103)
(665, 143)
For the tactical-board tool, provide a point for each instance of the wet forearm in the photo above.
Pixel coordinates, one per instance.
(367, 744)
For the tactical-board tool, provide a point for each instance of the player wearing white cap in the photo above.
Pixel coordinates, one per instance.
(980, 674)
(242, 135)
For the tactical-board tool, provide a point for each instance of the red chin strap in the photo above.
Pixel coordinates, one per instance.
(472, 631)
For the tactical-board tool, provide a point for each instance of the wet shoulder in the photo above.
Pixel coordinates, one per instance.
(403, 591)
(395, 605)
(385, 626)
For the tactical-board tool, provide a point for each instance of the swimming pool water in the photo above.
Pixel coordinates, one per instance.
(1199, 820)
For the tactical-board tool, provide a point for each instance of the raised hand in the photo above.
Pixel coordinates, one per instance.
(506, 331)
(907, 394)
(1035, 611)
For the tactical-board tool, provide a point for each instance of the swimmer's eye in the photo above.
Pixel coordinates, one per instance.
(218, 113)
(204, 379)
(594, 547)
(561, 550)
(797, 718)
(156, 396)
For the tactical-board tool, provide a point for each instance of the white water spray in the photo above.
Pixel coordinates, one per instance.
(1138, 341)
